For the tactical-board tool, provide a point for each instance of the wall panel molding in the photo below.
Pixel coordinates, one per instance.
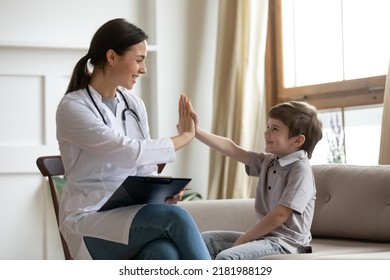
(32, 82)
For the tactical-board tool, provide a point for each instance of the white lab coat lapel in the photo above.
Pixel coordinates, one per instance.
(114, 122)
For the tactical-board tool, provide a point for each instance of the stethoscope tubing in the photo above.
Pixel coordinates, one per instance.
(123, 115)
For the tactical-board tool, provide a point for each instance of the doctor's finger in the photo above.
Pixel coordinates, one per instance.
(180, 106)
(185, 105)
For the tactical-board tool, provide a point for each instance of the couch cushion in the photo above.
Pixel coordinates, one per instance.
(339, 249)
(352, 202)
(222, 214)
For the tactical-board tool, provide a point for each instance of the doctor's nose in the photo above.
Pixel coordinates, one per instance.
(142, 69)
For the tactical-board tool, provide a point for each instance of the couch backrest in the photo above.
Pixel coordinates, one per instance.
(352, 202)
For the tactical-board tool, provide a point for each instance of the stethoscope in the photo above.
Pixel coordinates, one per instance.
(127, 109)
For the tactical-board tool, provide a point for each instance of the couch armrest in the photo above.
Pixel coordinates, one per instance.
(222, 214)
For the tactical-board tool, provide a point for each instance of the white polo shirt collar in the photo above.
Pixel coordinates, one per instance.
(291, 158)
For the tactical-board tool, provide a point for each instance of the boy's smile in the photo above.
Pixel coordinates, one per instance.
(277, 139)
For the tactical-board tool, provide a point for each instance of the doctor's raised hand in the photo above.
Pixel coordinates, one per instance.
(186, 125)
(186, 128)
(103, 137)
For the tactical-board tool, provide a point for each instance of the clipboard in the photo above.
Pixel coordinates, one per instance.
(144, 190)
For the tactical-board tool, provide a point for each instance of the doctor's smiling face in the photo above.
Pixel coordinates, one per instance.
(128, 67)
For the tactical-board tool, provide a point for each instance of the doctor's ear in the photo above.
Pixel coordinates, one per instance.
(111, 56)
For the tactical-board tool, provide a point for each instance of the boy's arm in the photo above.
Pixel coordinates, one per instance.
(223, 145)
(265, 225)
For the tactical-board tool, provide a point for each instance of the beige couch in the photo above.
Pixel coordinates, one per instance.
(351, 219)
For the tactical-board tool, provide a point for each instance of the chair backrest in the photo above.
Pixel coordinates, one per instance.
(50, 166)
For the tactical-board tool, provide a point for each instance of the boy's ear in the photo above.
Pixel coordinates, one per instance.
(300, 140)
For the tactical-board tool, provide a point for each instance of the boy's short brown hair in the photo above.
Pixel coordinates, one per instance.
(300, 118)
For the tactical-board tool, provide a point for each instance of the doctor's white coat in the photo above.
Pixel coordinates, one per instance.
(97, 158)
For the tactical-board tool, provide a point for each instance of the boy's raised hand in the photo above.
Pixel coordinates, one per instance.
(186, 122)
(194, 115)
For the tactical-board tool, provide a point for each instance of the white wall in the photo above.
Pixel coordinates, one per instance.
(186, 41)
(40, 41)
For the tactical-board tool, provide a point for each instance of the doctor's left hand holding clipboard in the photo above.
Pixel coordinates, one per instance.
(145, 190)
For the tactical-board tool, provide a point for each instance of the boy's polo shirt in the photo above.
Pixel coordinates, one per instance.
(287, 181)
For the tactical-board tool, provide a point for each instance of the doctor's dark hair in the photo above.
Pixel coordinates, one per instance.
(117, 35)
(300, 118)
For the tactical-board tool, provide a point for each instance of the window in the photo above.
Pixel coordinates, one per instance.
(350, 135)
(326, 41)
(335, 55)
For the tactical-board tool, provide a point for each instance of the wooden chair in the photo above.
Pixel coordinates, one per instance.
(50, 166)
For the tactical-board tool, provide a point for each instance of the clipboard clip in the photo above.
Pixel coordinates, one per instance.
(158, 180)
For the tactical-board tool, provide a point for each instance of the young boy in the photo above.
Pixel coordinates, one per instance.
(286, 190)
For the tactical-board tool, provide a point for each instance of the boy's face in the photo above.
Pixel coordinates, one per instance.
(277, 139)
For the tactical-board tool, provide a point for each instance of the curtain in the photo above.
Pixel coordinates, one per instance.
(239, 99)
(384, 152)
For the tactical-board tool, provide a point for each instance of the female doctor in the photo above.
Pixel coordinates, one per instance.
(103, 136)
